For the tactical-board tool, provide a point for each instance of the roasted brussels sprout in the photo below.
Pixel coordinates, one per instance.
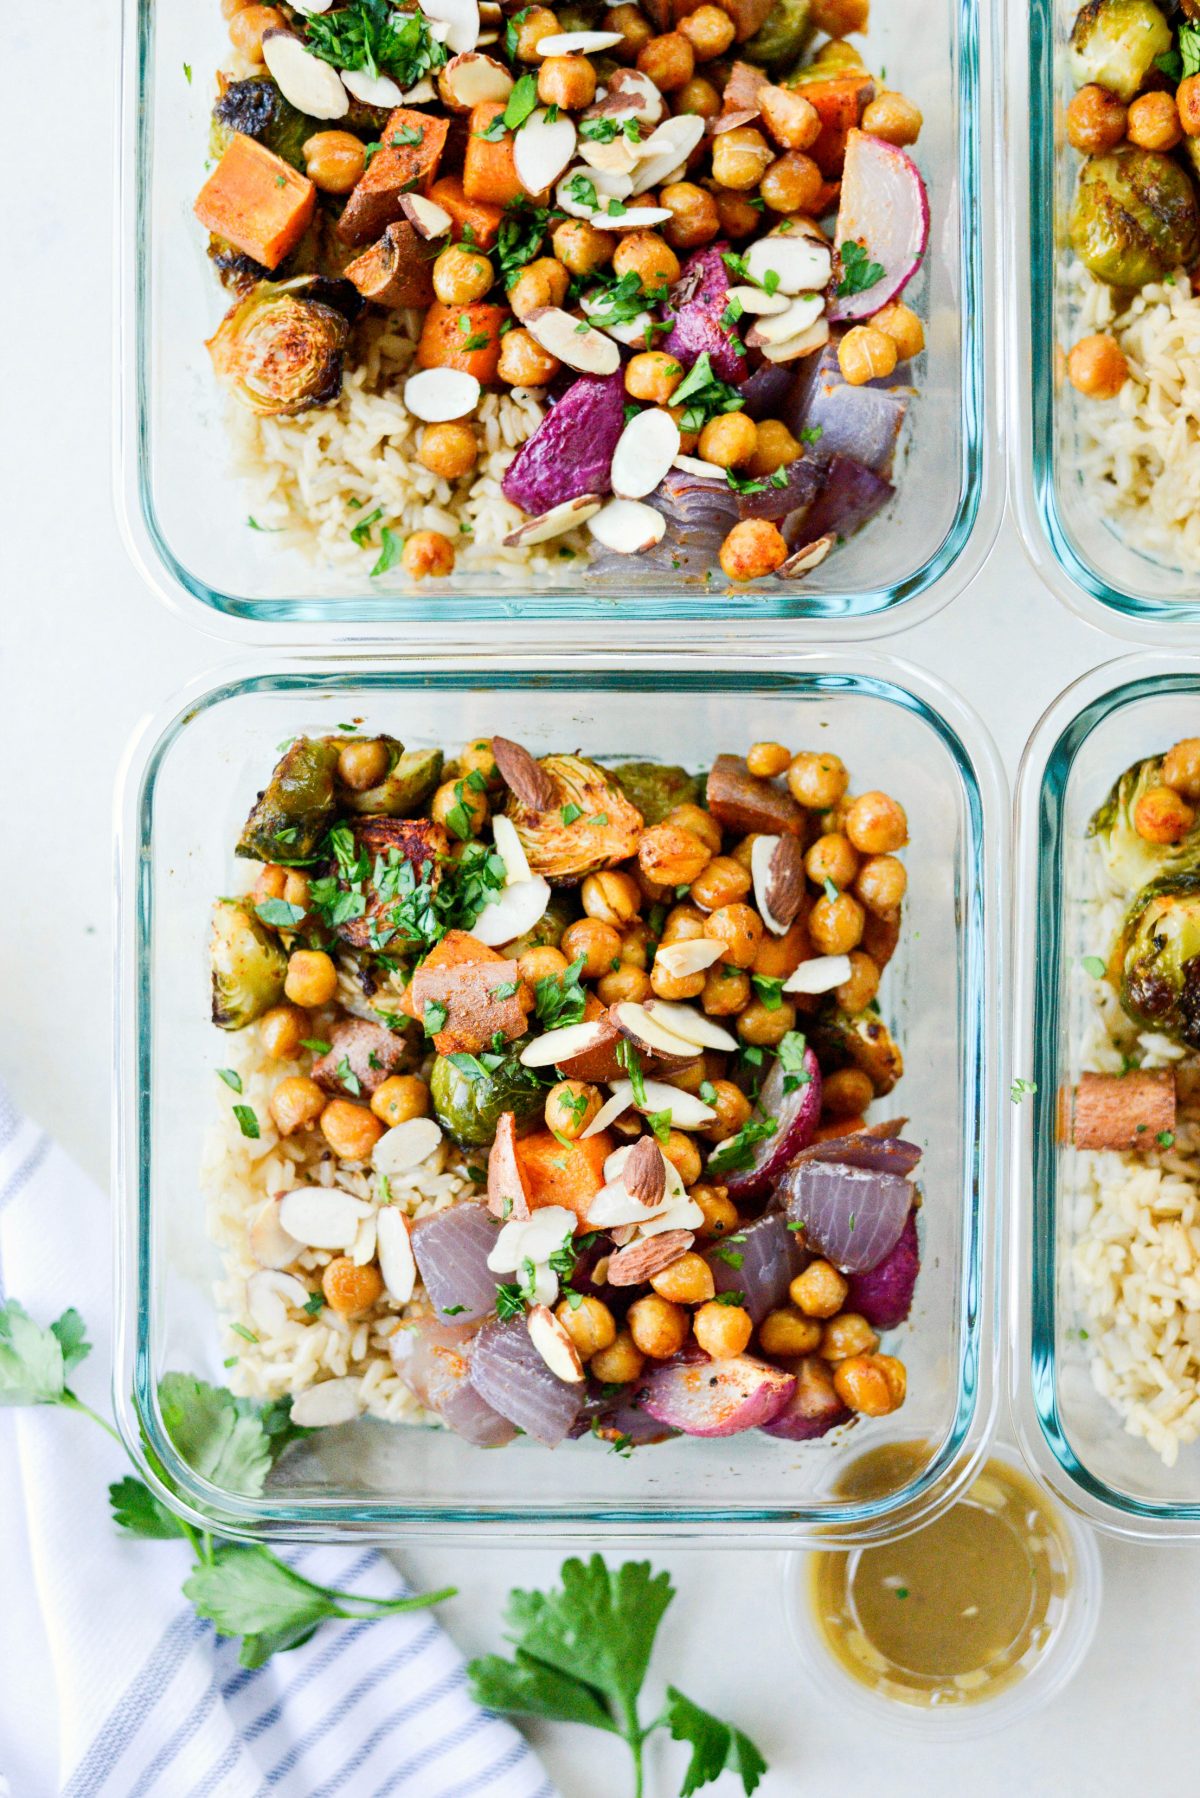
(589, 825)
(1114, 43)
(1159, 958)
(1135, 217)
(547, 933)
(248, 966)
(467, 1102)
(783, 38)
(297, 805)
(410, 780)
(256, 108)
(860, 1040)
(1129, 858)
(655, 788)
(280, 347)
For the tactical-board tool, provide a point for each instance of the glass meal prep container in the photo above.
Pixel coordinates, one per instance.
(1076, 551)
(185, 511)
(891, 724)
(1071, 1434)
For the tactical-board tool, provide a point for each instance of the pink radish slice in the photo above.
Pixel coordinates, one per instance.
(717, 1398)
(884, 1296)
(758, 1261)
(796, 1115)
(814, 1407)
(433, 1361)
(850, 1215)
(510, 1375)
(884, 207)
(451, 1249)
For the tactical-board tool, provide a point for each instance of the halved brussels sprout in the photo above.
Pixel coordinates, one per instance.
(256, 108)
(468, 1104)
(1129, 858)
(1135, 217)
(248, 966)
(410, 780)
(1114, 43)
(280, 347)
(656, 788)
(297, 805)
(783, 38)
(589, 825)
(860, 1040)
(1159, 957)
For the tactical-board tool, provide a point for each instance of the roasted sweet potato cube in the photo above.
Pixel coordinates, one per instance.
(490, 169)
(484, 220)
(256, 201)
(481, 999)
(741, 801)
(465, 337)
(396, 271)
(406, 162)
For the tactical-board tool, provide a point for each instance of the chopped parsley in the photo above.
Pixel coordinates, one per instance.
(1020, 1087)
(704, 396)
(737, 1152)
(570, 812)
(434, 1016)
(377, 37)
(247, 1119)
(603, 130)
(520, 103)
(791, 1052)
(362, 530)
(231, 1078)
(314, 1303)
(660, 1123)
(732, 1297)
(348, 1077)
(858, 271)
(281, 914)
(629, 1059)
(1092, 964)
(407, 134)
(583, 191)
(519, 239)
(769, 990)
(559, 999)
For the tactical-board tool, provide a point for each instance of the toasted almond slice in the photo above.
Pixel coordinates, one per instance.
(731, 120)
(558, 519)
(270, 1243)
(628, 527)
(469, 79)
(758, 301)
(662, 152)
(611, 1110)
(804, 560)
(525, 778)
(813, 339)
(613, 1208)
(512, 913)
(574, 192)
(421, 93)
(819, 975)
(486, 38)
(435, 395)
(634, 1265)
(462, 18)
(648, 1034)
(629, 95)
(618, 157)
(630, 218)
(709, 471)
(800, 316)
(555, 1046)
(645, 1173)
(268, 1295)
(533, 1238)
(682, 959)
(573, 341)
(548, 1336)
(426, 217)
(507, 1186)
(684, 1214)
(692, 1025)
(330, 1402)
(321, 1217)
(372, 90)
(312, 86)
(802, 264)
(397, 1263)
(577, 43)
(687, 1112)
(645, 451)
(542, 149)
(509, 848)
(762, 849)
(777, 870)
(631, 331)
(406, 1146)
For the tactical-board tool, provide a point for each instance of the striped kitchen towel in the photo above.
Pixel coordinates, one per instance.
(110, 1684)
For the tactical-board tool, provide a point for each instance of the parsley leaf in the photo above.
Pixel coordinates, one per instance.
(231, 1078)
(247, 1119)
(769, 990)
(434, 1016)
(660, 1123)
(559, 999)
(629, 1059)
(1189, 49)
(737, 1152)
(377, 37)
(140, 1512)
(34, 1363)
(391, 548)
(703, 395)
(716, 1746)
(1093, 965)
(280, 913)
(858, 271)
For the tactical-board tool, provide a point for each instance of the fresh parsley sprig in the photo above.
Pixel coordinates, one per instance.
(858, 271)
(377, 37)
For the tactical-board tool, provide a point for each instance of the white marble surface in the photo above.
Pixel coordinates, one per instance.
(85, 652)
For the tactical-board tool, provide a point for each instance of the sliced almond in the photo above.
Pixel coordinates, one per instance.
(692, 957)
(421, 93)
(630, 218)
(758, 301)
(708, 471)
(469, 79)
(549, 1337)
(270, 1244)
(686, 1110)
(331, 1402)
(645, 451)
(762, 850)
(554, 1046)
(523, 777)
(426, 217)
(268, 1295)
(648, 1256)
(509, 848)
(648, 1034)
(312, 86)
(615, 1209)
(436, 395)
(630, 331)
(662, 152)
(513, 912)
(820, 974)
(645, 1173)
(800, 316)
(461, 17)
(406, 1146)
(573, 341)
(692, 1025)
(804, 560)
(372, 90)
(802, 264)
(815, 338)
(577, 43)
(542, 149)
(684, 1214)
(628, 527)
(321, 1217)
(311, 6)
(557, 520)
(584, 191)
(397, 1263)
(611, 1110)
(507, 1186)
(629, 95)
(732, 120)
(785, 881)
(619, 157)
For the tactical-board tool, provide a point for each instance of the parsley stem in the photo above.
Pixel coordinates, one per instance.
(72, 1403)
(382, 1607)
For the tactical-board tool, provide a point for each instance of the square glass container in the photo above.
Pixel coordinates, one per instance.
(1070, 1433)
(187, 786)
(184, 510)
(1071, 543)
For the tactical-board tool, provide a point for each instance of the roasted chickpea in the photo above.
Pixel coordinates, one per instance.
(695, 219)
(894, 118)
(865, 354)
(246, 29)
(599, 944)
(282, 1031)
(872, 1384)
(740, 158)
(652, 375)
(540, 283)
(725, 992)
(688, 1281)
(667, 985)
(753, 548)
(856, 993)
(832, 857)
(589, 1323)
(295, 1103)
(620, 1362)
(766, 761)
(720, 1212)
(363, 764)
(612, 897)
(645, 254)
(729, 440)
(1187, 103)
(538, 22)
(788, 1333)
(478, 757)
(774, 448)
(635, 945)
(461, 275)
(334, 160)
(838, 18)
(701, 98)
(449, 450)
(275, 882)
(835, 926)
(682, 924)
(634, 27)
(1153, 122)
(568, 82)
(820, 1291)
(349, 1289)
(1181, 764)
(669, 61)
(229, 7)
(541, 963)
(581, 248)
(1095, 121)
(732, 1108)
(659, 1328)
(399, 1098)
(692, 1075)
(793, 183)
(779, 956)
(623, 985)
(737, 215)
(570, 1108)
(311, 978)
(461, 808)
(876, 824)
(845, 1335)
(427, 553)
(792, 121)
(846, 1093)
(765, 1026)
(901, 324)
(709, 31)
(683, 1155)
(350, 1130)
(723, 882)
(722, 1330)
(1160, 816)
(817, 780)
(700, 822)
(881, 884)
(672, 855)
(523, 362)
(738, 928)
(1097, 367)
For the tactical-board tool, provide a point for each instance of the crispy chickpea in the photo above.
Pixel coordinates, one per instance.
(838, 18)
(1097, 367)
(723, 882)
(295, 1103)
(701, 98)
(720, 1212)
(846, 1093)
(581, 248)
(856, 993)
(753, 548)
(1095, 121)
(399, 1098)
(732, 1108)
(540, 283)
(363, 764)
(766, 761)
(694, 220)
(738, 928)
(652, 375)
(634, 27)
(282, 1031)
(666, 985)
(570, 1108)
(672, 855)
(449, 450)
(774, 448)
(764, 1026)
(688, 1281)
(793, 183)
(275, 882)
(835, 926)
(598, 943)
(246, 29)
(683, 1155)
(872, 1384)
(820, 1291)
(620, 1362)
(669, 61)
(229, 7)
(659, 1328)
(832, 857)
(523, 362)
(737, 216)
(682, 924)
(894, 118)
(817, 780)
(645, 254)
(568, 82)
(350, 1289)
(845, 1335)
(692, 1075)
(729, 440)
(539, 22)
(722, 1330)
(1153, 122)
(1161, 816)
(623, 985)
(350, 1130)
(541, 963)
(635, 945)
(709, 31)
(793, 121)
(612, 897)
(865, 354)
(311, 978)
(876, 824)
(1181, 764)
(461, 808)
(334, 160)
(590, 1325)
(461, 275)
(1187, 104)
(427, 553)
(478, 757)
(788, 1333)
(881, 885)
(725, 992)
(740, 158)
(901, 324)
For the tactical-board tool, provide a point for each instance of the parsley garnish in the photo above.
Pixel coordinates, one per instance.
(348, 1077)
(434, 1016)
(1092, 964)
(280, 913)
(858, 271)
(1020, 1087)
(791, 1052)
(660, 1123)
(732, 1297)
(231, 1078)
(629, 1059)
(362, 530)
(769, 990)
(704, 396)
(559, 999)
(377, 37)
(737, 1152)
(247, 1119)
(570, 812)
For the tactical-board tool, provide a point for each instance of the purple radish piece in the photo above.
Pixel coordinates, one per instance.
(884, 207)
(571, 451)
(620, 1415)
(694, 308)
(884, 1295)
(850, 1215)
(814, 1407)
(508, 1374)
(862, 423)
(851, 496)
(433, 1361)
(805, 480)
(796, 1115)
(451, 1249)
(717, 1398)
(881, 1154)
(759, 1260)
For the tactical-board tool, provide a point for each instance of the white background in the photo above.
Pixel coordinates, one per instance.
(85, 652)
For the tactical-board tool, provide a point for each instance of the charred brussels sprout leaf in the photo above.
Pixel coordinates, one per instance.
(1130, 859)
(589, 825)
(1160, 958)
(859, 1040)
(279, 348)
(783, 37)
(656, 788)
(410, 780)
(470, 1093)
(1135, 217)
(248, 966)
(256, 108)
(1115, 42)
(294, 810)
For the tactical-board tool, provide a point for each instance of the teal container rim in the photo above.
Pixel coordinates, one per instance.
(134, 1389)
(360, 617)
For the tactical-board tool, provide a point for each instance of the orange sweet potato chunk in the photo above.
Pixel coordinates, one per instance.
(465, 337)
(559, 1173)
(410, 150)
(490, 170)
(483, 219)
(258, 202)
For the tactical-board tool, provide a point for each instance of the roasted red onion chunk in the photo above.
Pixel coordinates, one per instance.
(759, 1261)
(433, 1360)
(509, 1374)
(881, 1155)
(884, 1294)
(814, 1407)
(793, 1100)
(451, 1250)
(850, 1215)
(717, 1398)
